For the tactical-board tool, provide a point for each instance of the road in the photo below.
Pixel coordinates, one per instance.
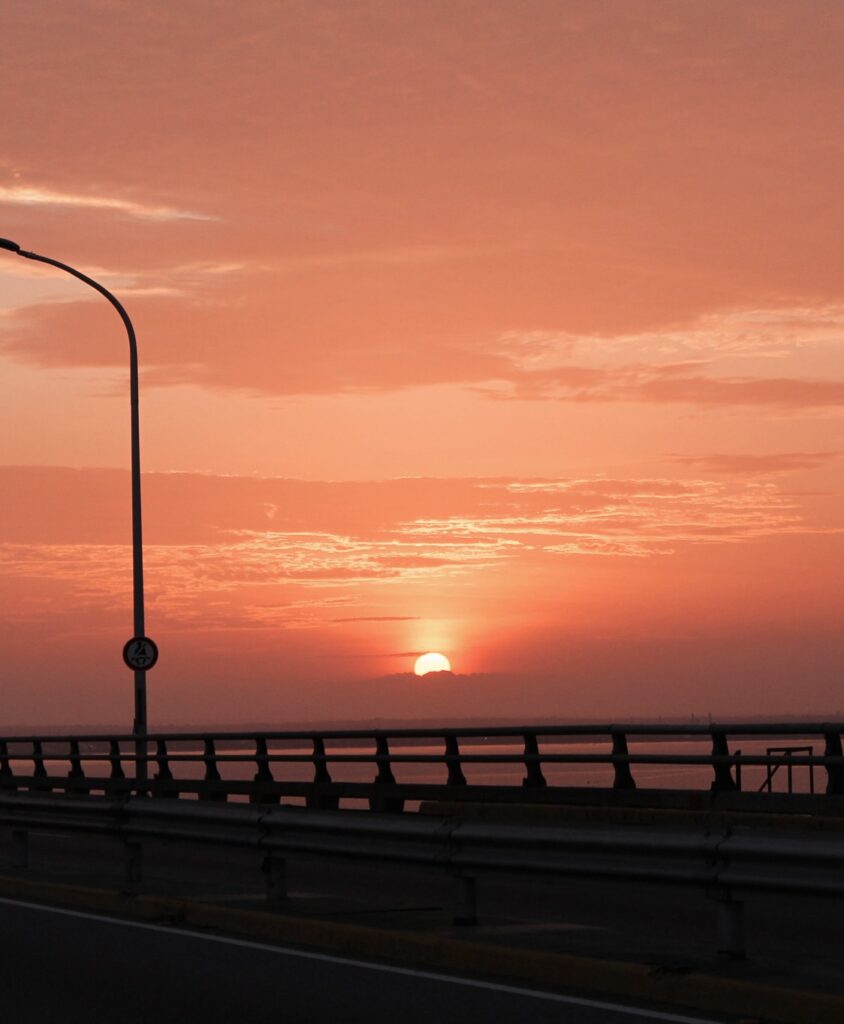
(68, 966)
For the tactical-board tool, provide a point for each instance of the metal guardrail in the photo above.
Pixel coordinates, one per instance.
(270, 765)
(725, 862)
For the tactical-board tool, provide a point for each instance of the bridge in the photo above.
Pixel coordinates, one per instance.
(749, 816)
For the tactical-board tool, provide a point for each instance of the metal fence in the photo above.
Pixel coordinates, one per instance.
(393, 770)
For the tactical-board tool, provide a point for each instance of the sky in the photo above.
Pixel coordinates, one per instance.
(506, 330)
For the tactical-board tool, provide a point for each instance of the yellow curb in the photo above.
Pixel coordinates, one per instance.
(548, 970)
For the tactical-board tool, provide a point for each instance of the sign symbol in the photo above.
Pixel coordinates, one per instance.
(140, 652)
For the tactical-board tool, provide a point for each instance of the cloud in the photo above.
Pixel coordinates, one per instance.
(379, 618)
(772, 332)
(184, 580)
(213, 557)
(618, 518)
(323, 320)
(37, 335)
(776, 462)
(780, 392)
(23, 195)
(693, 363)
(668, 385)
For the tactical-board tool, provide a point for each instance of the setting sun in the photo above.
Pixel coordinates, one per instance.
(426, 663)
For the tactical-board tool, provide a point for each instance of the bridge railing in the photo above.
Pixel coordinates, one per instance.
(393, 769)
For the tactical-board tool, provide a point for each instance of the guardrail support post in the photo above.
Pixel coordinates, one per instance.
(7, 777)
(452, 759)
(117, 778)
(164, 774)
(322, 776)
(724, 781)
(20, 848)
(465, 901)
(275, 872)
(212, 772)
(834, 772)
(623, 776)
(263, 771)
(533, 766)
(385, 777)
(321, 772)
(133, 865)
(76, 775)
(39, 770)
(263, 777)
(730, 924)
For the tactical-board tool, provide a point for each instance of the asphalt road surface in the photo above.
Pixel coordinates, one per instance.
(67, 966)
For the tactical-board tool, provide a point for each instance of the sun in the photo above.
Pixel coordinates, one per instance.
(431, 663)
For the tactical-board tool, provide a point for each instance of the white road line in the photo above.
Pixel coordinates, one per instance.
(489, 986)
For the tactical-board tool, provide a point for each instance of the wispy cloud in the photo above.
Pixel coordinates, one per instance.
(23, 195)
(304, 346)
(720, 359)
(753, 332)
(409, 256)
(768, 464)
(671, 384)
(766, 332)
(418, 533)
(379, 618)
(632, 518)
(185, 580)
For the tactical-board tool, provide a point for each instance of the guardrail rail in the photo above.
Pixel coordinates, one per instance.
(724, 862)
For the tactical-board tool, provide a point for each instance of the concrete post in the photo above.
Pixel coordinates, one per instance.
(465, 901)
(275, 871)
(20, 848)
(132, 865)
(731, 941)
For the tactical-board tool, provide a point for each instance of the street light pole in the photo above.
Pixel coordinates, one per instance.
(140, 653)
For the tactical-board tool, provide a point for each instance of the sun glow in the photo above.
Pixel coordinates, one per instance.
(426, 663)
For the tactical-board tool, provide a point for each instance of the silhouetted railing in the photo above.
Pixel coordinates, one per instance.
(785, 759)
(392, 769)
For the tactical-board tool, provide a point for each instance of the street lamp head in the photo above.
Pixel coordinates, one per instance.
(6, 243)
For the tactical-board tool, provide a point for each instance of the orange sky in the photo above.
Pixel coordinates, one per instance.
(508, 330)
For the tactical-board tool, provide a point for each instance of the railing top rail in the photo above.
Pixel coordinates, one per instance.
(735, 730)
(701, 760)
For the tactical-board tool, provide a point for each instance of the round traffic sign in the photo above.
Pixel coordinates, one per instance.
(140, 652)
